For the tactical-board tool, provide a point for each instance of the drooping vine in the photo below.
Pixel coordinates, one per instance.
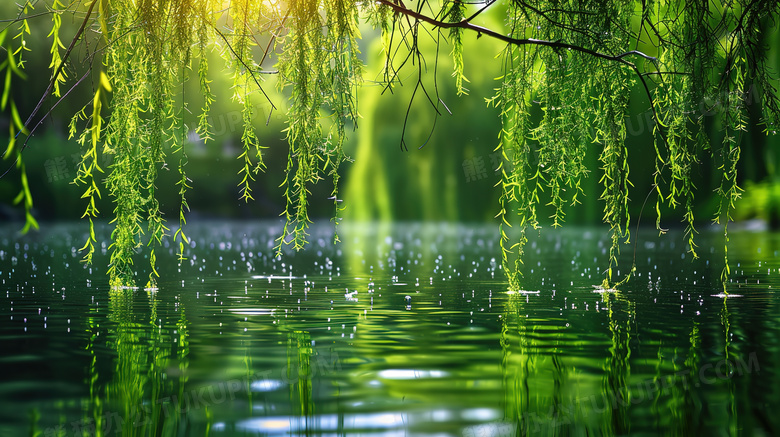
(519, 180)
(125, 139)
(89, 167)
(321, 68)
(611, 132)
(239, 55)
(301, 68)
(454, 13)
(345, 76)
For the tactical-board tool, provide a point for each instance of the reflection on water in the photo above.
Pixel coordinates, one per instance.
(144, 394)
(400, 330)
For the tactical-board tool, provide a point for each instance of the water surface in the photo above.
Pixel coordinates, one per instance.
(402, 329)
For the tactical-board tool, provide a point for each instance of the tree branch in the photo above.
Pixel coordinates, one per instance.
(465, 24)
(49, 89)
(248, 69)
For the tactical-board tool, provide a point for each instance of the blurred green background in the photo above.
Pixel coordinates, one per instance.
(451, 178)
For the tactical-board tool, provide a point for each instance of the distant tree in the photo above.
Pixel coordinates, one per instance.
(576, 60)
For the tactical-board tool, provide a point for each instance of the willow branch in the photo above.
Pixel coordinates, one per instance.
(49, 89)
(480, 11)
(464, 24)
(26, 17)
(65, 57)
(248, 69)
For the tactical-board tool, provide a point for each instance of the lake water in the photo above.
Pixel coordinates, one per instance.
(403, 329)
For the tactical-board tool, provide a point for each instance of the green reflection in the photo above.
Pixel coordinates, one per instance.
(299, 377)
(683, 406)
(617, 368)
(93, 411)
(548, 391)
(146, 393)
(732, 423)
(516, 364)
(126, 390)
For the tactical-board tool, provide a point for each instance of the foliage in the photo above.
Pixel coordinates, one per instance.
(13, 42)
(569, 71)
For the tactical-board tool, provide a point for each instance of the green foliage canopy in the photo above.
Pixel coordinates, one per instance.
(577, 61)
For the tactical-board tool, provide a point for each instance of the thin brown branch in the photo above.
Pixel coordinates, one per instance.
(514, 41)
(249, 70)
